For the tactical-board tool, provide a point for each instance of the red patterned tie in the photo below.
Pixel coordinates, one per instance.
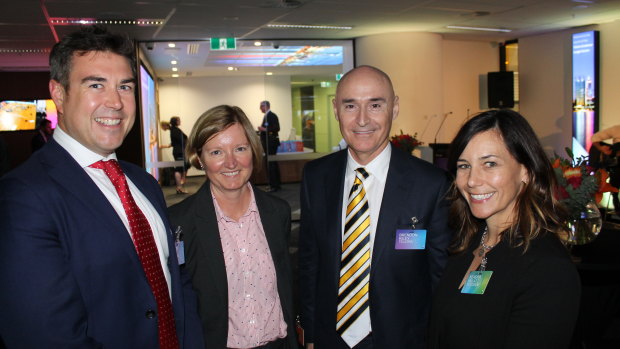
(147, 252)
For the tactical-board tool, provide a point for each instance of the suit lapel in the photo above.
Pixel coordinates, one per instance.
(397, 187)
(334, 188)
(208, 235)
(71, 176)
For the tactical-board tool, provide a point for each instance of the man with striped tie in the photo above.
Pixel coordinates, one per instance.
(374, 232)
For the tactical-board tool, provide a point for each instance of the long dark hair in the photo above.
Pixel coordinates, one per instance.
(536, 209)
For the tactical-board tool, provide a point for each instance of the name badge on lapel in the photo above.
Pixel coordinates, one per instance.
(179, 246)
(410, 239)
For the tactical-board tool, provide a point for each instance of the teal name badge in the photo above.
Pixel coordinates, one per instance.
(477, 282)
(410, 239)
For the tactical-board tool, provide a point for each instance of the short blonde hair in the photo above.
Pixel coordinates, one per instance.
(216, 120)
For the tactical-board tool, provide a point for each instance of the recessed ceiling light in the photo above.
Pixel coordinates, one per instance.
(172, 44)
(304, 26)
(268, 73)
(175, 75)
(479, 28)
(175, 69)
(258, 43)
(173, 62)
(231, 68)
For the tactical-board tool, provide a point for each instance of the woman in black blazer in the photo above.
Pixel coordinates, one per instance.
(236, 239)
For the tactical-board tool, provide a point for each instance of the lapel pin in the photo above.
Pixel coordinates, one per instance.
(414, 221)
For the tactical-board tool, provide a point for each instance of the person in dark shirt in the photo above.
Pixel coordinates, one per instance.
(44, 134)
(4, 158)
(269, 129)
(178, 140)
(510, 282)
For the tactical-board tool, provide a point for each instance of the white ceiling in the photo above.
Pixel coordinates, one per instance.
(24, 24)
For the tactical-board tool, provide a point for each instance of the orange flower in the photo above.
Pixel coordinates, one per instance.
(603, 186)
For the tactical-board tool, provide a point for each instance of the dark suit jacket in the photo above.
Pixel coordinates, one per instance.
(204, 258)
(401, 281)
(37, 142)
(270, 139)
(70, 274)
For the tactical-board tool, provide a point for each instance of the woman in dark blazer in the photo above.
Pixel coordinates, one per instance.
(236, 239)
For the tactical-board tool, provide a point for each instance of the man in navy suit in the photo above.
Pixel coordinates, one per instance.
(270, 140)
(71, 274)
(375, 294)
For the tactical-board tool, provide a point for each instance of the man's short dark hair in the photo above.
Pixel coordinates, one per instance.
(266, 104)
(83, 41)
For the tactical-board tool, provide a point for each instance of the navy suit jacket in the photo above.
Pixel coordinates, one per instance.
(401, 281)
(69, 273)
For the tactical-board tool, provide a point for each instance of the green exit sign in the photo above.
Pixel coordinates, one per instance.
(223, 43)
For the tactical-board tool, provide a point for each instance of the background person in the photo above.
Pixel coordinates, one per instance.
(509, 226)
(178, 140)
(393, 282)
(236, 239)
(43, 135)
(270, 140)
(613, 153)
(95, 267)
(4, 157)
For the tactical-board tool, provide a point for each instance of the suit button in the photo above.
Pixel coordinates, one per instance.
(150, 314)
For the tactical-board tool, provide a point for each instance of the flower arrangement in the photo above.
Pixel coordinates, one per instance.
(406, 142)
(579, 183)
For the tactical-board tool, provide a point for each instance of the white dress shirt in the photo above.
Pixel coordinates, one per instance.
(85, 157)
(374, 185)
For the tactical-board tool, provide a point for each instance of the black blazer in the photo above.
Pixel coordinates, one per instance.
(401, 281)
(204, 258)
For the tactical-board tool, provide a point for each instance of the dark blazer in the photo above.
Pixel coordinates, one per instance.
(204, 258)
(37, 142)
(70, 275)
(270, 139)
(401, 281)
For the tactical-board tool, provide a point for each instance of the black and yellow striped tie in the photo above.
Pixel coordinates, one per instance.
(355, 265)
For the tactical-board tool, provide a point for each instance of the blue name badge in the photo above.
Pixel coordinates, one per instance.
(179, 246)
(410, 239)
(477, 282)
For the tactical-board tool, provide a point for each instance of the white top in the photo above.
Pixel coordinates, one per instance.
(374, 185)
(85, 157)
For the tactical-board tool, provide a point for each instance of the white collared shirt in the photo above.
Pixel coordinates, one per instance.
(85, 157)
(374, 185)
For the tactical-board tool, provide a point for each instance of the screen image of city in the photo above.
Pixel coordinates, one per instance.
(26, 115)
(584, 90)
